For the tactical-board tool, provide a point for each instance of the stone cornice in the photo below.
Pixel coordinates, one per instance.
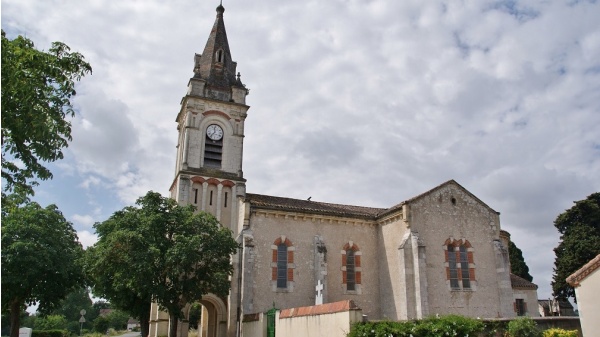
(269, 213)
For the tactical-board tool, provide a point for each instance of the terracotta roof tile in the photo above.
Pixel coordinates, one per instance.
(312, 207)
(328, 308)
(315, 207)
(520, 283)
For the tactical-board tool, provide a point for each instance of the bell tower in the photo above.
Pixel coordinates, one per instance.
(208, 170)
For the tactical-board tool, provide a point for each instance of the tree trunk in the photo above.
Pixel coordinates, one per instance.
(145, 325)
(172, 326)
(15, 317)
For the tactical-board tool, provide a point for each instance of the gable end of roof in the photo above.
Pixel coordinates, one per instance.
(583, 272)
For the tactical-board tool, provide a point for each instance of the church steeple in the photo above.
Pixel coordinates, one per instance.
(208, 170)
(215, 66)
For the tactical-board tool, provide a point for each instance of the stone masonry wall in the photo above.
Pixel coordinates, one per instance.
(300, 230)
(451, 213)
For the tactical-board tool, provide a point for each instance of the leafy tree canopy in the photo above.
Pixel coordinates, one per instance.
(160, 251)
(36, 90)
(71, 306)
(579, 227)
(51, 322)
(517, 262)
(40, 258)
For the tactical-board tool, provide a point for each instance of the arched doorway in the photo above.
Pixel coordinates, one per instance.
(213, 320)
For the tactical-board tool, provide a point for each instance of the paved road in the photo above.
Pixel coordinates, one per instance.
(131, 334)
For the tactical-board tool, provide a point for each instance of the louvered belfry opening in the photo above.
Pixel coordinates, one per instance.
(213, 152)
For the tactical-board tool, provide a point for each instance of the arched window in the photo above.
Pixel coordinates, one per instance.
(460, 266)
(350, 270)
(213, 146)
(351, 267)
(282, 263)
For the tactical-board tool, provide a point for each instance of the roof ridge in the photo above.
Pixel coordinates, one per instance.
(583, 272)
(517, 281)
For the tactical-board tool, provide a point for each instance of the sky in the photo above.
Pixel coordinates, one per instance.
(355, 102)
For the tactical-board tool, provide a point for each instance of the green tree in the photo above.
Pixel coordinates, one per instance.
(40, 258)
(195, 315)
(51, 322)
(25, 319)
(115, 266)
(166, 252)
(579, 227)
(517, 262)
(101, 324)
(71, 306)
(36, 90)
(117, 319)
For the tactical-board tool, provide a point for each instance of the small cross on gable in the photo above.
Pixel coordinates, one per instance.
(319, 289)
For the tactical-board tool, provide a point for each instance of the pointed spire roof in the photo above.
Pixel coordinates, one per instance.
(215, 65)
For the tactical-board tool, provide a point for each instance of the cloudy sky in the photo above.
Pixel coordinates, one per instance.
(356, 102)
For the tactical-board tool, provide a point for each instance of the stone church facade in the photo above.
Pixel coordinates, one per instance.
(440, 252)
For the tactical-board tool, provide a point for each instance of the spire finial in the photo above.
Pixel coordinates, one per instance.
(220, 9)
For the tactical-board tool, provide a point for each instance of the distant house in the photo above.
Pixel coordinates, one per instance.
(551, 307)
(586, 282)
(525, 296)
(132, 324)
(105, 312)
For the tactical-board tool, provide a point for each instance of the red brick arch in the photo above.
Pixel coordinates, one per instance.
(454, 265)
(357, 264)
(290, 259)
(216, 113)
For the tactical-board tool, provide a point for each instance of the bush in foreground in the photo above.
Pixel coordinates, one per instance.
(451, 325)
(554, 332)
(523, 327)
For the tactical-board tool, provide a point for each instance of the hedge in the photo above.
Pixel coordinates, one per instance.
(50, 333)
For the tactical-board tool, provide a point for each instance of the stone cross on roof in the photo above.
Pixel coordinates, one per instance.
(319, 289)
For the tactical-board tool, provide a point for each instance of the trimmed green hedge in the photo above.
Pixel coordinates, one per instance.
(50, 333)
(451, 325)
(456, 326)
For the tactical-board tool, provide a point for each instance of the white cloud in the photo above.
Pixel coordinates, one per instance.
(83, 220)
(86, 238)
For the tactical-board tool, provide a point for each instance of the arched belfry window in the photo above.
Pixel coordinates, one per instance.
(213, 146)
(219, 56)
(351, 268)
(282, 264)
(460, 266)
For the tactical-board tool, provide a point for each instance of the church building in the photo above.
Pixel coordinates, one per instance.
(441, 252)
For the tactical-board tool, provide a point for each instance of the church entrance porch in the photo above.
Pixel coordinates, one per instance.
(213, 319)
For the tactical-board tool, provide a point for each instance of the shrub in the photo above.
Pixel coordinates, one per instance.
(49, 333)
(101, 324)
(494, 328)
(51, 322)
(555, 332)
(523, 327)
(451, 325)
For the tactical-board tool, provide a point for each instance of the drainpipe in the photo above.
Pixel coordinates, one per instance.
(238, 332)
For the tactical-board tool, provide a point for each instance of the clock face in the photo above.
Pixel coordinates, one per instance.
(214, 132)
